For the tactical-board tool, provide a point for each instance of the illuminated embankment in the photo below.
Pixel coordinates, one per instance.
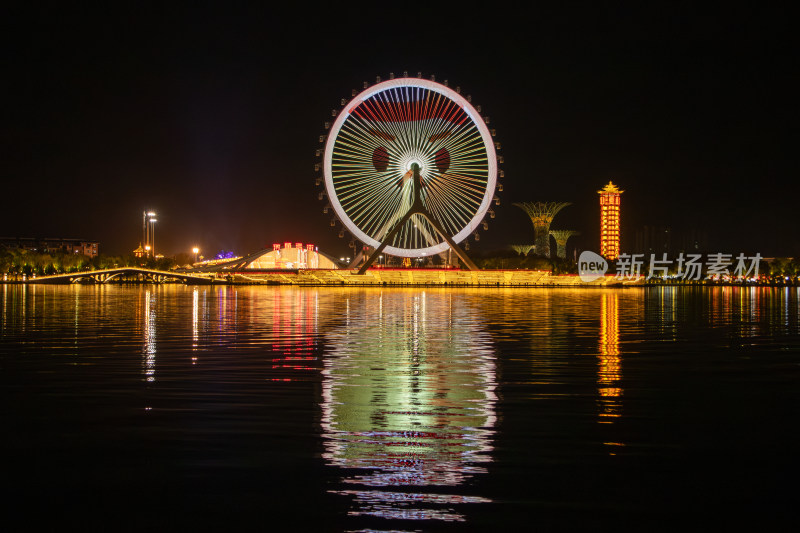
(423, 277)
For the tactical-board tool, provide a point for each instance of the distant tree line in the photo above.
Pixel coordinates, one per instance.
(781, 270)
(14, 262)
(775, 271)
(513, 260)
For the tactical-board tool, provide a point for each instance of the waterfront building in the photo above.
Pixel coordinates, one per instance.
(664, 239)
(289, 256)
(51, 245)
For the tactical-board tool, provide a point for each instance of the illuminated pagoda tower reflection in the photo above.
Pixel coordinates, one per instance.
(609, 367)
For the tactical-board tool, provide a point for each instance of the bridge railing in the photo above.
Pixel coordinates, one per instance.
(106, 275)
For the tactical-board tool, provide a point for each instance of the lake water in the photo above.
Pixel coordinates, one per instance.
(328, 409)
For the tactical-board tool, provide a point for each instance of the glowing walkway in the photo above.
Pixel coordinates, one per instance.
(120, 274)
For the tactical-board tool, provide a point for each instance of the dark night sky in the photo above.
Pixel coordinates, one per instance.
(211, 117)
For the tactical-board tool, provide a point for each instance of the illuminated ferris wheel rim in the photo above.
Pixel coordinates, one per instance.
(472, 113)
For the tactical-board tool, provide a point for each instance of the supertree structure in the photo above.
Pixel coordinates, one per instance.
(562, 236)
(542, 214)
(522, 249)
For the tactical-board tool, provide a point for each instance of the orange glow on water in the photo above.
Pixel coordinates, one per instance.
(609, 370)
(413, 411)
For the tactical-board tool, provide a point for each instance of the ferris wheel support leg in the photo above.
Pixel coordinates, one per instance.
(417, 208)
(439, 229)
(453, 246)
(358, 259)
(374, 255)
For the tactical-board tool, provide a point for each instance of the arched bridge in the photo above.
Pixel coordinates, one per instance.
(140, 274)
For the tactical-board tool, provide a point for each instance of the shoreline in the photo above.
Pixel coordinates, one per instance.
(372, 278)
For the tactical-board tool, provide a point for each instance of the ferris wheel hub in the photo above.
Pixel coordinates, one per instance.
(414, 161)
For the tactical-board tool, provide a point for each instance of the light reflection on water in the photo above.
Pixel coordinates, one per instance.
(413, 393)
(408, 401)
(294, 331)
(609, 372)
(149, 336)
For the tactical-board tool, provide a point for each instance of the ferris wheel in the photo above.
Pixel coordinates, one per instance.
(410, 167)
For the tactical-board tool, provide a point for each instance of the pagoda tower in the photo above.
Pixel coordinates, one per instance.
(609, 221)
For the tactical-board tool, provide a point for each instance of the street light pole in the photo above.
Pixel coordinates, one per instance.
(153, 236)
(150, 231)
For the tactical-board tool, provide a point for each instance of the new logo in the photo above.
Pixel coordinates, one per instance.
(591, 266)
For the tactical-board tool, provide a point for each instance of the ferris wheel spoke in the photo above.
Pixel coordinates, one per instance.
(458, 212)
(453, 220)
(451, 200)
(384, 114)
(462, 204)
(385, 207)
(359, 139)
(458, 185)
(458, 197)
(447, 219)
(363, 203)
(455, 135)
(466, 153)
